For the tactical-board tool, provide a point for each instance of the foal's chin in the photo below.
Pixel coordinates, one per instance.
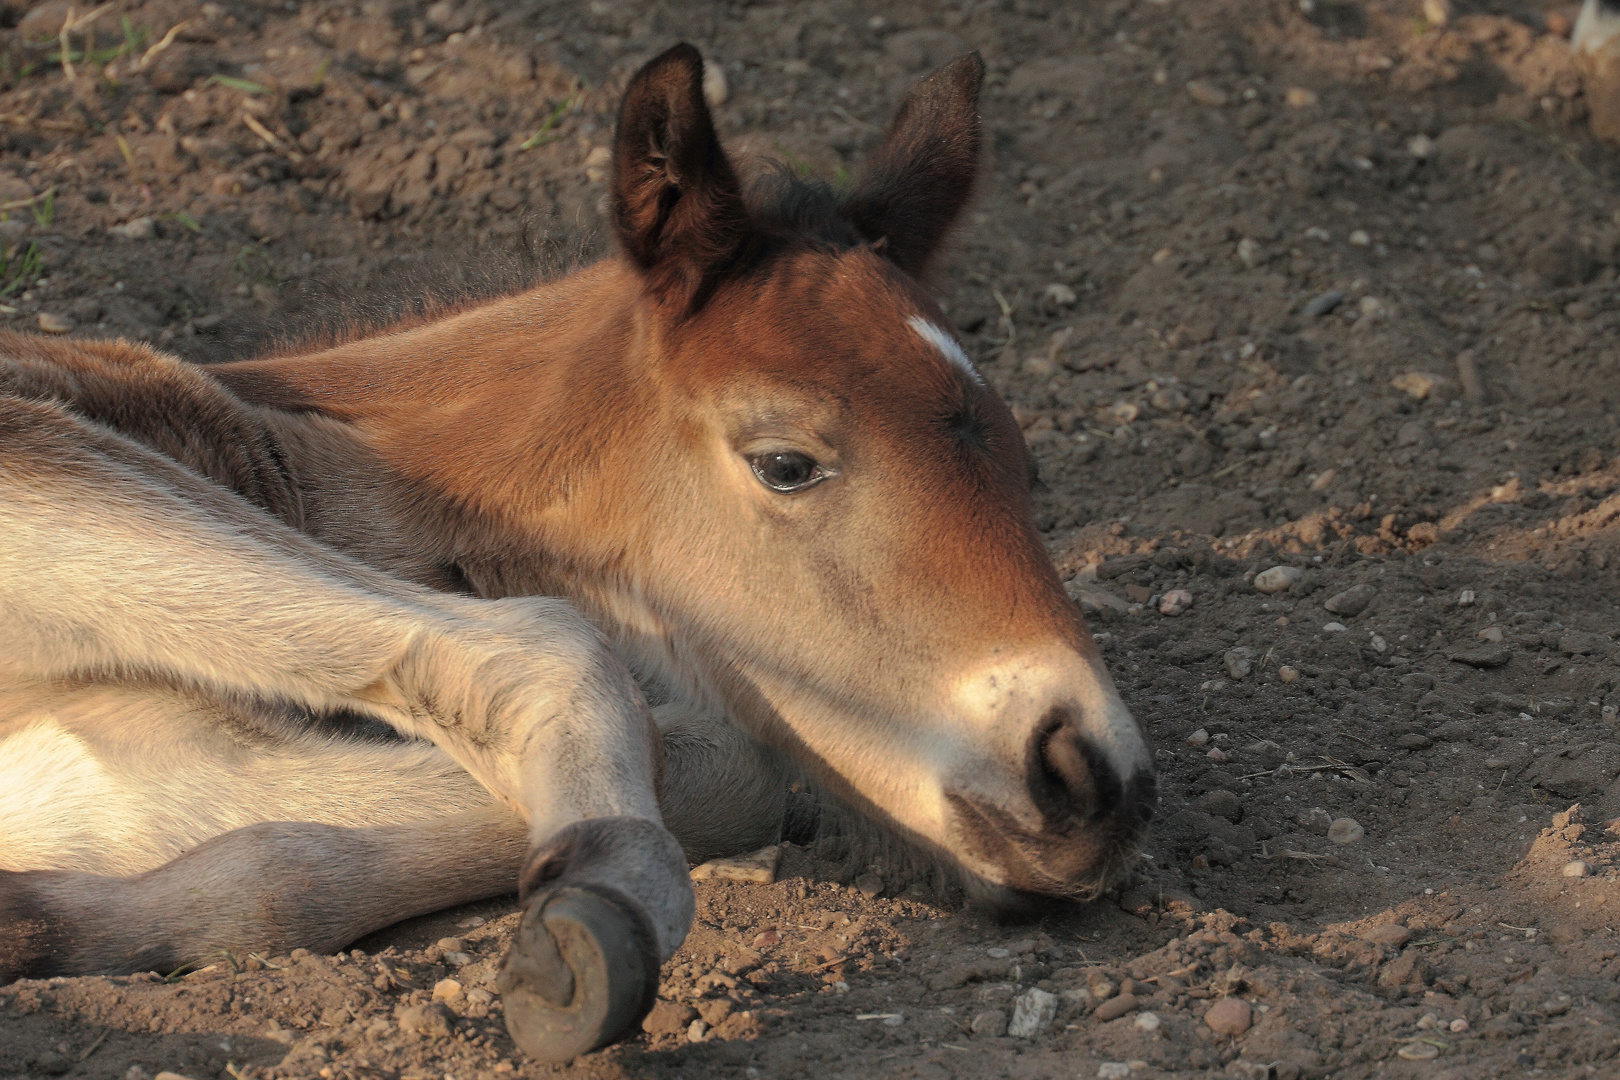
(1074, 862)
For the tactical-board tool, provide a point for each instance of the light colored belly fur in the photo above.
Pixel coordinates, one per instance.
(117, 780)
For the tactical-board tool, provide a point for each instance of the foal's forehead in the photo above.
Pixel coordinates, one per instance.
(859, 307)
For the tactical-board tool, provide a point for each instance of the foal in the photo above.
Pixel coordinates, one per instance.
(595, 558)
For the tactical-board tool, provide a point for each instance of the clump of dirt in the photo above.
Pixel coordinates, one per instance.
(1331, 290)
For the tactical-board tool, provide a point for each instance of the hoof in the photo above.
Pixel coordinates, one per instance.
(581, 974)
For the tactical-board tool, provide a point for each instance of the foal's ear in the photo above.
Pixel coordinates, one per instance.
(920, 177)
(677, 205)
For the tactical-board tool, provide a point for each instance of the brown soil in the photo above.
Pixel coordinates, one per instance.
(1170, 185)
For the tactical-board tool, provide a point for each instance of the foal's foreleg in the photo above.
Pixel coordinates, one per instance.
(118, 564)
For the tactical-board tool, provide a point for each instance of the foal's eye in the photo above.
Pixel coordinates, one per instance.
(786, 471)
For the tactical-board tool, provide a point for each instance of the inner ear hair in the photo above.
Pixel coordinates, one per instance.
(678, 207)
(919, 178)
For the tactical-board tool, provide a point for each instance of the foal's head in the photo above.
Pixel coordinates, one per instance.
(838, 544)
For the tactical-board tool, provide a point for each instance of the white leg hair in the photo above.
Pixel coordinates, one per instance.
(122, 567)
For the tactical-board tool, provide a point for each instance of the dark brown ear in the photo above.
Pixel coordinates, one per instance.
(920, 177)
(677, 204)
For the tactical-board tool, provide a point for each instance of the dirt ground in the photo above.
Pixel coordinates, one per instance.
(1317, 285)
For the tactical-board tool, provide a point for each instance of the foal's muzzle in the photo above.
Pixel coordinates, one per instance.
(1089, 816)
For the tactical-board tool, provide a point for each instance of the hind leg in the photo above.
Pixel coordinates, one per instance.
(266, 888)
(325, 861)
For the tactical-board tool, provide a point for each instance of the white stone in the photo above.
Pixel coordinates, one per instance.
(1113, 1070)
(1148, 1022)
(1033, 1012)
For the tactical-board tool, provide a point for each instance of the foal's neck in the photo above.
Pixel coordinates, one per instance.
(434, 451)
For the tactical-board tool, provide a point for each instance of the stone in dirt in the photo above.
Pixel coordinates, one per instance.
(1113, 1070)
(1353, 601)
(1389, 935)
(1033, 1012)
(1346, 831)
(1278, 579)
(432, 1020)
(1239, 662)
(1578, 868)
(1488, 656)
(1115, 1007)
(1229, 1016)
(760, 867)
(1175, 602)
(1322, 304)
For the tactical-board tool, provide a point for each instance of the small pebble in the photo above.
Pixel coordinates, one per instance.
(696, 1031)
(1578, 868)
(1359, 238)
(1229, 1016)
(1287, 674)
(1389, 935)
(1206, 93)
(54, 324)
(1149, 1022)
(139, 229)
(450, 944)
(1346, 831)
(1465, 598)
(1217, 754)
(1199, 738)
(1353, 601)
(1458, 1025)
(1333, 628)
(1115, 1007)
(1102, 989)
(1490, 633)
(431, 1019)
(1298, 97)
(1238, 662)
(1113, 1070)
(767, 937)
(1175, 602)
(446, 990)
(1277, 579)
(1420, 146)
(869, 884)
(1419, 1051)
(1323, 304)
(989, 1022)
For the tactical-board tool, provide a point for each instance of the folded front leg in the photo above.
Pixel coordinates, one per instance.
(120, 565)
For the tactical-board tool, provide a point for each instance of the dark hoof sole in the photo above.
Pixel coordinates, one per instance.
(581, 975)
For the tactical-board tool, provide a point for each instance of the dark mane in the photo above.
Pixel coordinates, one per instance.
(785, 203)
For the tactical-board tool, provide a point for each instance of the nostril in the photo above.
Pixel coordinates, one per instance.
(1068, 778)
